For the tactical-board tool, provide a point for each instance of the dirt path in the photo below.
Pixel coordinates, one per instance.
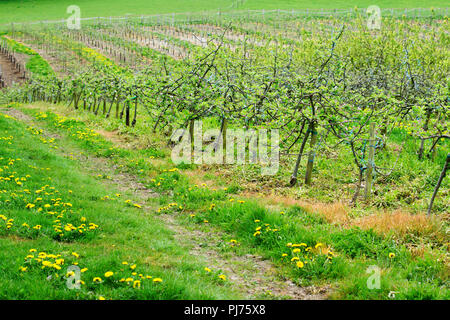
(253, 276)
(8, 72)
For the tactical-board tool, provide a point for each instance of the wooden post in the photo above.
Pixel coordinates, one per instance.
(117, 107)
(224, 136)
(441, 177)
(369, 170)
(127, 114)
(133, 123)
(191, 133)
(311, 156)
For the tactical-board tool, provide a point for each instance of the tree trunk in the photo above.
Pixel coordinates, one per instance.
(293, 180)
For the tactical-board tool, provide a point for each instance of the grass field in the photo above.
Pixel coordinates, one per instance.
(51, 154)
(37, 10)
(64, 192)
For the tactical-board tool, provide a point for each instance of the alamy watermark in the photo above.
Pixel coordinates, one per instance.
(73, 277)
(74, 20)
(227, 146)
(374, 17)
(374, 280)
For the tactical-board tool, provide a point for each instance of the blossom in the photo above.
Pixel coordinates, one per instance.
(109, 274)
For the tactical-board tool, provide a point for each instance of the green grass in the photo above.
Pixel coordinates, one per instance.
(34, 10)
(123, 233)
(354, 250)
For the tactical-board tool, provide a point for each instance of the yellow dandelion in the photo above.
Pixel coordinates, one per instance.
(109, 274)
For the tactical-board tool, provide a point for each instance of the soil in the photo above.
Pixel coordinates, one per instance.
(8, 72)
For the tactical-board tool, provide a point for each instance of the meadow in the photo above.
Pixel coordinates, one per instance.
(39, 10)
(90, 194)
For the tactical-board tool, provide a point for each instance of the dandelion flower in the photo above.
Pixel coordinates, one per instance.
(109, 274)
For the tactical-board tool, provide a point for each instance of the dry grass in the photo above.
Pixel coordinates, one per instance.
(337, 212)
(400, 223)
